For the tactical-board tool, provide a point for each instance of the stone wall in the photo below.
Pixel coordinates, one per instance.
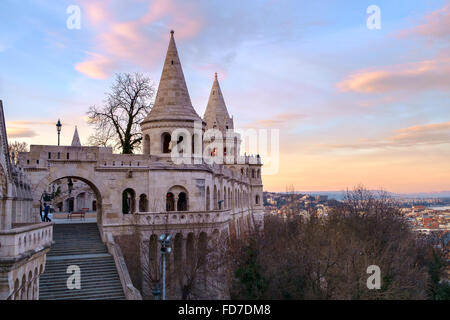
(24, 241)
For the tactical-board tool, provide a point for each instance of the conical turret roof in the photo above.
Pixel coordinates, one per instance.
(216, 113)
(76, 139)
(172, 99)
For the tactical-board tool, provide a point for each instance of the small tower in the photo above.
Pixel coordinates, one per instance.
(76, 139)
(217, 118)
(172, 109)
(216, 114)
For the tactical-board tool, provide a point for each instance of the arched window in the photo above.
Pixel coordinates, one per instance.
(190, 248)
(165, 139)
(178, 254)
(202, 249)
(180, 144)
(147, 144)
(177, 199)
(170, 202)
(208, 199)
(153, 267)
(253, 173)
(128, 201)
(219, 200)
(182, 202)
(225, 204)
(215, 198)
(258, 173)
(143, 203)
(257, 199)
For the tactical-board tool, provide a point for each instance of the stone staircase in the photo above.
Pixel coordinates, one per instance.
(81, 245)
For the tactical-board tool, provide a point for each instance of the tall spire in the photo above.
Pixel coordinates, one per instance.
(216, 114)
(76, 139)
(172, 100)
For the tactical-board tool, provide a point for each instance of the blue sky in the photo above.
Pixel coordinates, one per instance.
(351, 102)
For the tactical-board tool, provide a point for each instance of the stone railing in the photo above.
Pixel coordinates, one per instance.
(183, 217)
(24, 238)
(131, 293)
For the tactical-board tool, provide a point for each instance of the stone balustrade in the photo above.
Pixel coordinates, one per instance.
(23, 238)
(172, 218)
(184, 217)
(131, 293)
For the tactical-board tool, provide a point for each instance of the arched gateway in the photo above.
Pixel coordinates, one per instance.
(60, 174)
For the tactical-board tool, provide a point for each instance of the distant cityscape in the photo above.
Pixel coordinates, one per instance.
(426, 214)
(430, 216)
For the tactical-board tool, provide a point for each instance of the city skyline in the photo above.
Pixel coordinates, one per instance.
(353, 105)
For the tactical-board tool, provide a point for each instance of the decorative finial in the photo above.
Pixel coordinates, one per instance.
(215, 75)
(172, 32)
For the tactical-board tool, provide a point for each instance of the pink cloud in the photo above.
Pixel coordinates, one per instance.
(417, 76)
(134, 41)
(435, 26)
(425, 134)
(20, 133)
(96, 66)
(97, 12)
(277, 121)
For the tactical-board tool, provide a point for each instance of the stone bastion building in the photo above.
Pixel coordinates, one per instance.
(138, 196)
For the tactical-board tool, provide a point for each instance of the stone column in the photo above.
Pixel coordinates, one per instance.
(6, 218)
(175, 204)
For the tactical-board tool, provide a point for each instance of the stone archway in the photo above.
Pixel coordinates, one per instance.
(39, 189)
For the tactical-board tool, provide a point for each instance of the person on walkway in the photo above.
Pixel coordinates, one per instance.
(41, 212)
(46, 211)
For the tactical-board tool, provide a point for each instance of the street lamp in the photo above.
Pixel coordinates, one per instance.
(156, 292)
(164, 239)
(58, 129)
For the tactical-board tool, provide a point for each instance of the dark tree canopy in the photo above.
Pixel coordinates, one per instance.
(327, 257)
(116, 123)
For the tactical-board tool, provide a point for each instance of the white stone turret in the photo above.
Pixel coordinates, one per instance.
(216, 114)
(76, 139)
(172, 109)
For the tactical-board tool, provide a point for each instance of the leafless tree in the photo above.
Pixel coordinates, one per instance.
(14, 149)
(205, 273)
(327, 257)
(116, 123)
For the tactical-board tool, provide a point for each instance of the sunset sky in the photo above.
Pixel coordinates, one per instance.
(353, 105)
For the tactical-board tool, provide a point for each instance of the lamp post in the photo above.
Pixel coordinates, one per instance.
(164, 239)
(156, 292)
(58, 129)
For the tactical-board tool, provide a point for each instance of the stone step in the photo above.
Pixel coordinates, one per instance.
(81, 245)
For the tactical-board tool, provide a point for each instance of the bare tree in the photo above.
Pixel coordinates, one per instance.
(14, 149)
(204, 274)
(327, 257)
(117, 122)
